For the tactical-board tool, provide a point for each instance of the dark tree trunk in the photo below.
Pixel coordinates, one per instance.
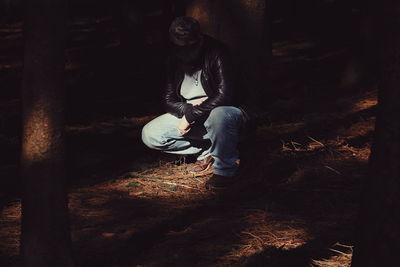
(6, 10)
(245, 27)
(378, 231)
(7, 7)
(45, 238)
(179, 7)
(132, 36)
(360, 71)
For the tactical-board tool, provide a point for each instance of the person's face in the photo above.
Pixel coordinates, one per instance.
(188, 54)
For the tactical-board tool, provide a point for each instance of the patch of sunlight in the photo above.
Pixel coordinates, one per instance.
(263, 234)
(10, 221)
(366, 102)
(341, 258)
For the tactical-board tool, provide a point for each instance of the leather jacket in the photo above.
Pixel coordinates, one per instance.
(217, 78)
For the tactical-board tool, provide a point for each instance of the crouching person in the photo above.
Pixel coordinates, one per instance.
(202, 117)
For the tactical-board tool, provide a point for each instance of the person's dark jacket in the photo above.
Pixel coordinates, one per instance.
(217, 78)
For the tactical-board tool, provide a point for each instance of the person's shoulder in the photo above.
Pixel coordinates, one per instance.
(214, 46)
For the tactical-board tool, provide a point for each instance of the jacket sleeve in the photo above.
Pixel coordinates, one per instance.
(173, 103)
(221, 71)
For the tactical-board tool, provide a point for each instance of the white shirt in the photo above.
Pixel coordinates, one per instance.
(191, 88)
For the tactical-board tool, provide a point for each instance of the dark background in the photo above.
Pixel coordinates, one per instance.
(318, 88)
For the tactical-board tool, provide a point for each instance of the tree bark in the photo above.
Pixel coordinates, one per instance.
(378, 231)
(45, 237)
(132, 36)
(244, 25)
(8, 7)
(361, 69)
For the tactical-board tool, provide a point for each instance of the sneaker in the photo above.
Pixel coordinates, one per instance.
(201, 165)
(219, 182)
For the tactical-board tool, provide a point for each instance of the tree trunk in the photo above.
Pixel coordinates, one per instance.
(378, 231)
(7, 7)
(179, 7)
(360, 71)
(244, 25)
(132, 36)
(45, 237)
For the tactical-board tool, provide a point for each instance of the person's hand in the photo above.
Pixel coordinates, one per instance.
(183, 126)
(199, 101)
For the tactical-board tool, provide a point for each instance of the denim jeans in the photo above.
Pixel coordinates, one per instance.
(218, 137)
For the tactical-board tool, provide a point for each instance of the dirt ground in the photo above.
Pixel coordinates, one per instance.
(295, 200)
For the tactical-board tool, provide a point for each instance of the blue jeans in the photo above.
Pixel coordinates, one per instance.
(218, 137)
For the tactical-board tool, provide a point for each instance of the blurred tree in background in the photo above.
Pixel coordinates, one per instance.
(45, 237)
(378, 231)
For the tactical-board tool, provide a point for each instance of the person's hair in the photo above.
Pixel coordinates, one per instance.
(184, 31)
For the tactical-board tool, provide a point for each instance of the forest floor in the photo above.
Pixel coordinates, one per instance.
(295, 201)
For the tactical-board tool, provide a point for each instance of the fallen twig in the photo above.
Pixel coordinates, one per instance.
(182, 185)
(312, 139)
(340, 252)
(253, 235)
(332, 169)
(345, 246)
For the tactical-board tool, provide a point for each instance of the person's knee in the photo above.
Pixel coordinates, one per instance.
(149, 137)
(159, 132)
(223, 116)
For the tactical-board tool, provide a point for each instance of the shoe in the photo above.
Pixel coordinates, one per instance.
(219, 182)
(201, 165)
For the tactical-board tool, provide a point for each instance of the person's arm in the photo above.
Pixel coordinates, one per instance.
(222, 71)
(173, 103)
